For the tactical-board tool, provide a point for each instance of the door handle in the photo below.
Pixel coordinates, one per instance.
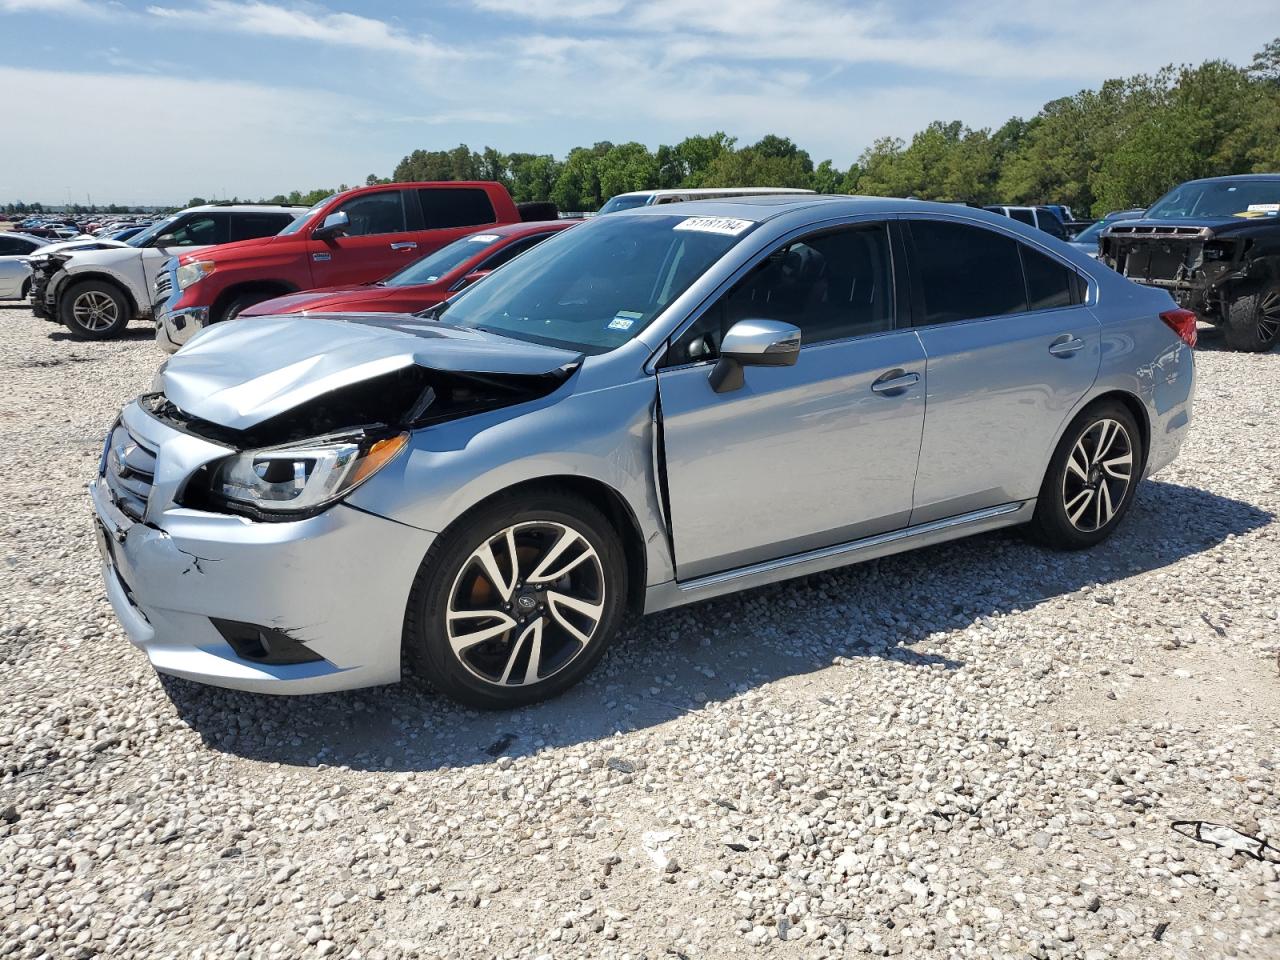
(404, 245)
(894, 381)
(1066, 345)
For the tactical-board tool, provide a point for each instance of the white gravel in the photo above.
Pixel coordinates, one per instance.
(975, 750)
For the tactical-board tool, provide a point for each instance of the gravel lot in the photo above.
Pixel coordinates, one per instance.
(974, 750)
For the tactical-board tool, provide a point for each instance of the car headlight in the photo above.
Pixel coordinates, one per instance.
(280, 483)
(194, 272)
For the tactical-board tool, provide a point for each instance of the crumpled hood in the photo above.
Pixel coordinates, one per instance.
(241, 373)
(82, 244)
(318, 300)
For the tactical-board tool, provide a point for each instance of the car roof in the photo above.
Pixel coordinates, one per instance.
(1237, 177)
(708, 191)
(762, 208)
(523, 227)
(244, 208)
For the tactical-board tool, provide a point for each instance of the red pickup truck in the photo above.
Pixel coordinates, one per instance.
(354, 237)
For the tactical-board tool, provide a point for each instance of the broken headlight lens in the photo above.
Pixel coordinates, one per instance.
(194, 272)
(301, 477)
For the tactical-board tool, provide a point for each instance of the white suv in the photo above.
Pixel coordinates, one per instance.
(96, 292)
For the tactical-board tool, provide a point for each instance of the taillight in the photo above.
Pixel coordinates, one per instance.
(1183, 323)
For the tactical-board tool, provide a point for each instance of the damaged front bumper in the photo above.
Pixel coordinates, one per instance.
(293, 607)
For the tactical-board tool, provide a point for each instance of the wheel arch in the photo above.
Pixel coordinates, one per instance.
(273, 288)
(608, 501)
(71, 280)
(1131, 402)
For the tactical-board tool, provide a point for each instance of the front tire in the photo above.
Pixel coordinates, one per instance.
(95, 310)
(241, 303)
(1253, 321)
(1091, 480)
(517, 601)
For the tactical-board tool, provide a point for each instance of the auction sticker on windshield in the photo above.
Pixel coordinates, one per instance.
(729, 226)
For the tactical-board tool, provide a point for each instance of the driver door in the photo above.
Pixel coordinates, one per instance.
(805, 456)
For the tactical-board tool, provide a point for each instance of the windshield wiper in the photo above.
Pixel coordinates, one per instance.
(433, 313)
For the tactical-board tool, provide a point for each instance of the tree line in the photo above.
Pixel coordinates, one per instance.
(1120, 145)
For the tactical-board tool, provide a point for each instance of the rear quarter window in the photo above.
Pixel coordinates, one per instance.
(1049, 284)
(250, 226)
(444, 207)
(966, 272)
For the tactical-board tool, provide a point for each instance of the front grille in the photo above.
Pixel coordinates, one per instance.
(129, 470)
(164, 283)
(1153, 231)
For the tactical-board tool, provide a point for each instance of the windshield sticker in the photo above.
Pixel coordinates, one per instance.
(483, 238)
(728, 226)
(624, 319)
(1263, 208)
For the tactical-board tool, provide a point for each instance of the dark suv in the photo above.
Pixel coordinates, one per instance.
(1215, 246)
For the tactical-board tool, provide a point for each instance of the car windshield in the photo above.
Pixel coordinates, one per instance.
(1090, 233)
(435, 265)
(626, 201)
(593, 288)
(1222, 198)
(304, 217)
(143, 238)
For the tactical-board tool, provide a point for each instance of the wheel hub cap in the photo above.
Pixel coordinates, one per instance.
(526, 603)
(1098, 475)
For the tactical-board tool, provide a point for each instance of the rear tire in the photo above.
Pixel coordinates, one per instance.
(569, 583)
(1253, 321)
(1091, 480)
(95, 310)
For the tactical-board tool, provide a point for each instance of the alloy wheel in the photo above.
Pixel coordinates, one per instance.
(526, 603)
(1097, 476)
(95, 310)
(1269, 316)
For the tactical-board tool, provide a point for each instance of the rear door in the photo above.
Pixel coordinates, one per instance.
(799, 457)
(447, 213)
(1010, 349)
(378, 242)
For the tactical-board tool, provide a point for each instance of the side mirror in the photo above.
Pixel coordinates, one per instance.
(334, 224)
(754, 343)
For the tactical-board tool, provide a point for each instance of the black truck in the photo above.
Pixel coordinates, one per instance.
(1215, 246)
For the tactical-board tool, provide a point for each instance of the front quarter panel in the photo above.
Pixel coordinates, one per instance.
(604, 434)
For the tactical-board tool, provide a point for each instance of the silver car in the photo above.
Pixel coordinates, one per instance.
(648, 410)
(15, 272)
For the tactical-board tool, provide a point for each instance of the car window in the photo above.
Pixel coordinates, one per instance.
(966, 272)
(249, 226)
(15, 246)
(1049, 284)
(626, 201)
(374, 213)
(832, 285)
(197, 230)
(511, 251)
(1048, 222)
(599, 284)
(455, 207)
(1022, 216)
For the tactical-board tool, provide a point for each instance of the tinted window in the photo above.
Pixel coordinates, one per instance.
(831, 286)
(1049, 283)
(511, 251)
(626, 201)
(1022, 216)
(966, 272)
(248, 226)
(1050, 224)
(374, 213)
(196, 230)
(455, 207)
(15, 246)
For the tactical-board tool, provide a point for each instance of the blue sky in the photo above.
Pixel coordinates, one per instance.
(143, 101)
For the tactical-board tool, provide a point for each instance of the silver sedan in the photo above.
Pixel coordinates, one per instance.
(15, 272)
(649, 410)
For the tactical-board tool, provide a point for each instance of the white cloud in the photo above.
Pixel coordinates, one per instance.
(554, 9)
(194, 137)
(83, 8)
(305, 23)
